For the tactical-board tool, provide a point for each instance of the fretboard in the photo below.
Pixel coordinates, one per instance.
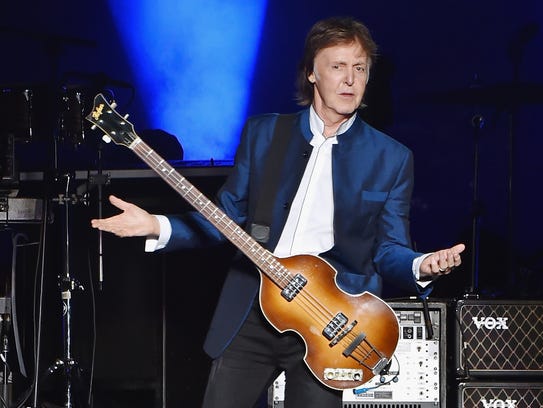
(260, 256)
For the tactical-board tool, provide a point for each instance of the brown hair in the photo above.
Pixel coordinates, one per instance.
(326, 33)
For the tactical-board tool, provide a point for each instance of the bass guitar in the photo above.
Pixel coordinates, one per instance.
(349, 338)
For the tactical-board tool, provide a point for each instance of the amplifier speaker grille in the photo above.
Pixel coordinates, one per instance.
(499, 338)
(510, 395)
(381, 405)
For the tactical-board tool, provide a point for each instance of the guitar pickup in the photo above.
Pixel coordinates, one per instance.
(334, 326)
(294, 287)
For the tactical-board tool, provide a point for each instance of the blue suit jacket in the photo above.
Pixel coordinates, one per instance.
(372, 183)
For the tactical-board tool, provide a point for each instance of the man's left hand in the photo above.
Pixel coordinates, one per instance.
(441, 262)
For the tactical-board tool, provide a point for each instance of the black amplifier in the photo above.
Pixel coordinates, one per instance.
(417, 374)
(499, 338)
(500, 395)
(21, 210)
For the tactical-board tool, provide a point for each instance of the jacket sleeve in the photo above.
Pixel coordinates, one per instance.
(394, 255)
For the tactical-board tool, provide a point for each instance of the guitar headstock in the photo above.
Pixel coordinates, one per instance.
(115, 126)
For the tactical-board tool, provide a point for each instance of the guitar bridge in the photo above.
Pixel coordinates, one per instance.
(341, 335)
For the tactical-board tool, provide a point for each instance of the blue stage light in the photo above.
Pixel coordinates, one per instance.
(193, 63)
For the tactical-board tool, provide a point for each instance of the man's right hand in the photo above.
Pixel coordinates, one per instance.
(133, 221)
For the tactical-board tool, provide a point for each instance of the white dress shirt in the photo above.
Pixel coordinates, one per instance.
(310, 224)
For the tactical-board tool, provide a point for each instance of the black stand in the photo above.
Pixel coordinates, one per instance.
(477, 122)
(67, 285)
(100, 179)
(4, 340)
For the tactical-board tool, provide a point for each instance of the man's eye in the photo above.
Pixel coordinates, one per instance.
(361, 69)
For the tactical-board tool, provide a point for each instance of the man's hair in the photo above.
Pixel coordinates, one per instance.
(327, 33)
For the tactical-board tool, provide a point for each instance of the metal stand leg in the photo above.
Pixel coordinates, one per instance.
(68, 285)
(6, 372)
(477, 123)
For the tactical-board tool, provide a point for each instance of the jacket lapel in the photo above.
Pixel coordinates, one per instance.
(295, 161)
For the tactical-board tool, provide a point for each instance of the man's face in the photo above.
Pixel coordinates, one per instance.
(340, 73)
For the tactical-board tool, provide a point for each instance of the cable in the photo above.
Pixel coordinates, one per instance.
(464, 360)
(15, 247)
(38, 297)
(93, 352)
(382, 379)
(427, 318)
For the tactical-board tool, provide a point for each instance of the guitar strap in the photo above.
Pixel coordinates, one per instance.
(260, 228)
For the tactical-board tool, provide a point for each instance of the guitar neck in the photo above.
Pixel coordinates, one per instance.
(260, 256)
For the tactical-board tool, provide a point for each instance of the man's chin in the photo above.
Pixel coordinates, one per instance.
(348, 110)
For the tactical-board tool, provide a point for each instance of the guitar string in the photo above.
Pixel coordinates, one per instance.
(256, 252)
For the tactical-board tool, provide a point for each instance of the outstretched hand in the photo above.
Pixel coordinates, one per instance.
(441, 262)
(133, 221)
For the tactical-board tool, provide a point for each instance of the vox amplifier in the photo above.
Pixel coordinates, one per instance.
(500, 395)
(499, 338)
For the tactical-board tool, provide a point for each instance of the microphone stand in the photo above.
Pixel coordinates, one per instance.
(6, 373)
(100, 180)
(67, 285)
(477, 122)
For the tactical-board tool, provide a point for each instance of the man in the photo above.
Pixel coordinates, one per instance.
(344, 194)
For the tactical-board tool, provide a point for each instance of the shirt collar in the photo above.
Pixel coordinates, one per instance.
(317, 125)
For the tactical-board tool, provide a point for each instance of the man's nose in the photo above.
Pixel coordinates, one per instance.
(349, 78)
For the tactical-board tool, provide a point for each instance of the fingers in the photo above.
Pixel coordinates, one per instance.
(114, 224)
(131, 221)
(120, 204)
(444, 261)
(101, 224)
(458, 249)
(111, 224)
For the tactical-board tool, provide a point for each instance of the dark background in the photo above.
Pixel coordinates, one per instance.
(441, 65)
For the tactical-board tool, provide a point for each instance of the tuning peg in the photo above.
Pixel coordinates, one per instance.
(113, 104)
(125, 116)
(93, 127)
(106, 139)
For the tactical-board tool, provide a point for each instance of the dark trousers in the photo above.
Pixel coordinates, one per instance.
(250, 364)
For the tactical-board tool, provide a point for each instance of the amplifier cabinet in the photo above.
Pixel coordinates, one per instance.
(416, 377)
(499, 338)
(500, 395)
(20, 210)
(417, 374)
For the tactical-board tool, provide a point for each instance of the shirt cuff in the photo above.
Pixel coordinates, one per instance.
(154, 243)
